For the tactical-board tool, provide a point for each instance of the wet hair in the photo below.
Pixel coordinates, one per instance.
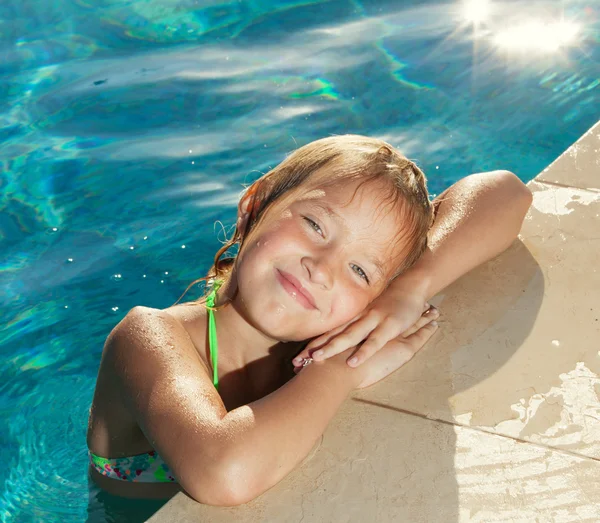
(348, 157)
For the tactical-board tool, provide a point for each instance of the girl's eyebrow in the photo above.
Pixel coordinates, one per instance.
(378, 266)
(330, 212)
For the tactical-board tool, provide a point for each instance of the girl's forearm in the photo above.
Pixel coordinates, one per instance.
(477, 218)
(269, 437)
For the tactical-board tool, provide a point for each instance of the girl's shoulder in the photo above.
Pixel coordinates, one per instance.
(183, 325)
(139, 350)
(192, 318)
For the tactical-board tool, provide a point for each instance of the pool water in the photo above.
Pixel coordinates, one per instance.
(127, 129)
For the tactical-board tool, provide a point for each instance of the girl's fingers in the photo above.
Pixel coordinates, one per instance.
(430, 314)
(387, 331)
(422, 335)
(353, 335)
(324, 339)
(320, 342)
(327, 337)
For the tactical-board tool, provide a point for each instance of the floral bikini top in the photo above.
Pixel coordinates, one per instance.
(149, 467)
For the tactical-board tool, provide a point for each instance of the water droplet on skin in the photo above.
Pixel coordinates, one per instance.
(556, 343)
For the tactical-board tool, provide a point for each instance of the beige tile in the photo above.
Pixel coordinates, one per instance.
(579, 166)
(500, 479)
(377, 464)
(519, 348)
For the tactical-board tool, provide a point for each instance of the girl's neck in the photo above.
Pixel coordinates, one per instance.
(245, 343)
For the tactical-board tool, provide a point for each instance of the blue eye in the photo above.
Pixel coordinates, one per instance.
(314, 225)
(361, 273)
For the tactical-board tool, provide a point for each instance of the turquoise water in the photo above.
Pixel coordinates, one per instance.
(128, 127)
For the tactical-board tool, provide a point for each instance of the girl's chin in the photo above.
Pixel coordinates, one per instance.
(280, 332)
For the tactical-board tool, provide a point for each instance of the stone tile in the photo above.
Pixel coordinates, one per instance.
(378, 464)
(519, 348)
(579, 165)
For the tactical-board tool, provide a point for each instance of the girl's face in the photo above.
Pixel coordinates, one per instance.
(340, 252)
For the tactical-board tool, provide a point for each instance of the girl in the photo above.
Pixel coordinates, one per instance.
(333, 248)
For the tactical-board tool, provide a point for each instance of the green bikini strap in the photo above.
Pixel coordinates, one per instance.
(212, 332)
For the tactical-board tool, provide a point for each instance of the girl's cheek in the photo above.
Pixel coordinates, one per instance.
(343, 307)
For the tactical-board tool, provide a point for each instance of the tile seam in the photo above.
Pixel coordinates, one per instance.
(562, 185)
(480, 430)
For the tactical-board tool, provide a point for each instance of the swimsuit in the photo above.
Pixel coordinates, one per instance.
(149, 467)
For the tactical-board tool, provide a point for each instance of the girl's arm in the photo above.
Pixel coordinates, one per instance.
(476, 218)
(218, 457)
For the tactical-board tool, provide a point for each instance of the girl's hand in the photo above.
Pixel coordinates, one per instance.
(389, 316)
(394, 354)
(397, 352)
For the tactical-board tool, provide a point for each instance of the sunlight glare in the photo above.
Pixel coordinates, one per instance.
(537, 35)
(477, 11)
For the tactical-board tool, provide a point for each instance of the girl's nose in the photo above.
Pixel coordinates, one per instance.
(319, 270)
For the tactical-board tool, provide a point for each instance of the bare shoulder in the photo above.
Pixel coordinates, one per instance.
(146, 346)
(153, 342)
(158, 376)
(156, 365)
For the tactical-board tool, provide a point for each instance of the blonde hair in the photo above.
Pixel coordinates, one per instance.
(350, 157)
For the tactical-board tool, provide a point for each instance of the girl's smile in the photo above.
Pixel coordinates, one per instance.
(294, 288)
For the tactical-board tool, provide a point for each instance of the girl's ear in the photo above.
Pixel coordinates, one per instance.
(245, 207)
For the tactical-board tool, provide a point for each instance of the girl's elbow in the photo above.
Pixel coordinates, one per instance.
(513, 192)
(517, 188)
(217, 492)
(227, 486)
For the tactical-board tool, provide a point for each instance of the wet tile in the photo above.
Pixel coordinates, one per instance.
(578, 166)
(519, 349)
(378, 464)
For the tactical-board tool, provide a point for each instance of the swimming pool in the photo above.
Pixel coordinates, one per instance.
(127, 129)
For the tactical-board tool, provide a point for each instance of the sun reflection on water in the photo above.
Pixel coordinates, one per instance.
(530, 33)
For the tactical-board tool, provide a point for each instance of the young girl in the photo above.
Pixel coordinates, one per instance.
(333, 248)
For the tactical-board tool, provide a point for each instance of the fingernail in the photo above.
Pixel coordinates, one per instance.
(353, 361)
(317, 354)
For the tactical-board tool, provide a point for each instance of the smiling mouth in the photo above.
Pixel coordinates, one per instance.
(294, 291)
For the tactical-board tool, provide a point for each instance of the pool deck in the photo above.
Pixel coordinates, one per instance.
(498, 417)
